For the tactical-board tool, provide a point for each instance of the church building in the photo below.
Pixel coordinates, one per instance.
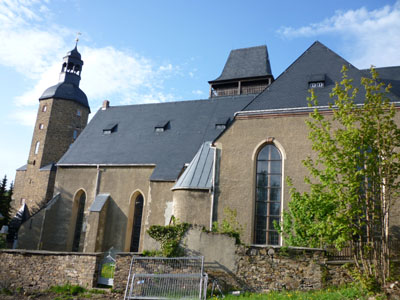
(89, 188)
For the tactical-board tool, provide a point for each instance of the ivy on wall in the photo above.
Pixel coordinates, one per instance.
(169, 237)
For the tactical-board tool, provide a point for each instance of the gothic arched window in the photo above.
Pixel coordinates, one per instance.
(268, 195)
(79, 203)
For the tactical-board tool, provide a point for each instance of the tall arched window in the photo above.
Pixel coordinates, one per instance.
(268, 195)
(137, 224)
(77, 244)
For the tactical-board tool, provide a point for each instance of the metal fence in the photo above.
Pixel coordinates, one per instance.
(166, 278)
(346, 253)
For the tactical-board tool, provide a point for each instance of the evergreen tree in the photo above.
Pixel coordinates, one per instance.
(353, 180)
(5, 201)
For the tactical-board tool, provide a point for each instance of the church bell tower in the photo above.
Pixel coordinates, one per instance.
(62, 115)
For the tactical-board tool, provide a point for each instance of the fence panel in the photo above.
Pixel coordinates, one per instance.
(166, 278)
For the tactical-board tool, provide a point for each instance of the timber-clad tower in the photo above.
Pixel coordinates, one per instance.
(62, 115)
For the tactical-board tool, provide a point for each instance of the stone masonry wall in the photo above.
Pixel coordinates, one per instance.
(258, 269)
(261, 269)
(39, 270)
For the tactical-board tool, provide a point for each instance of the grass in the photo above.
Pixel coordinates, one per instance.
(68, 291)
(333, 293)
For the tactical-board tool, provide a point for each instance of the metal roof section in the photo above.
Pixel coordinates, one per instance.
(291, 88)
(246, 63)
(49, 167)
(191, 124)
(23, 168)
(99, 202)
(198, 175)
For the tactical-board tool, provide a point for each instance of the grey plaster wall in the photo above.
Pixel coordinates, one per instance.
(192, 206)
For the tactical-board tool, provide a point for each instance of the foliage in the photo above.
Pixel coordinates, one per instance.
(67, 290)
(5, 201)
(169, 237)
(353, 179)
(152, 253)
(229, 225)
(3, 243)
(332, 293)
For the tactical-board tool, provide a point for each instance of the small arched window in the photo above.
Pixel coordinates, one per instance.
(268, 195)
(37, 147)
(75, 134)
(44, 108)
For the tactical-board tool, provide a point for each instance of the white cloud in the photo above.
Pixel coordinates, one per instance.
(198, 92)
(35, 49)
(371, 37)
(25, 117)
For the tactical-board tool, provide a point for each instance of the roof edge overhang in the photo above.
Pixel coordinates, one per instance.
(203, 189)
(305, 109)
(105, 165)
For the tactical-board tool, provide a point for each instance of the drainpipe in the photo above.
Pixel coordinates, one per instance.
(213, 185)
(96, 190)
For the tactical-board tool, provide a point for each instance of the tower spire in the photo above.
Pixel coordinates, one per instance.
(72, 66)
(77, 39)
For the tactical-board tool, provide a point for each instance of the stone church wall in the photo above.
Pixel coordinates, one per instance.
(237, 177)
(122, 184)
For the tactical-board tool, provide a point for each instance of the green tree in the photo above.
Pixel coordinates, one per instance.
(353, 180)
(5, 201)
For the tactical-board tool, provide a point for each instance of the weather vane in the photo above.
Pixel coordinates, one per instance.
(77, 38)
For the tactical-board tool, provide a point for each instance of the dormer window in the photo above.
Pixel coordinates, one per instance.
(161, 126)
(316, 81)
(110, 128)
(313, 85)
(222, 123)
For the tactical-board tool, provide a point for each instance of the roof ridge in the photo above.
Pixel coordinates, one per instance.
(260, 46)
(184, 101)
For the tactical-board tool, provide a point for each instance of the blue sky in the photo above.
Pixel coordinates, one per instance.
(157, 51)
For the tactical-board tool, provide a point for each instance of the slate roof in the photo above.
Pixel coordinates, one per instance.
(198, 175)
(389, 75)
(135, 140)
(290, 89)
(68, 91)
(246, 63)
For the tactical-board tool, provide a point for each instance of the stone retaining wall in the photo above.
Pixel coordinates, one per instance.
(261, 269)
(257, 269)
(39, 270)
